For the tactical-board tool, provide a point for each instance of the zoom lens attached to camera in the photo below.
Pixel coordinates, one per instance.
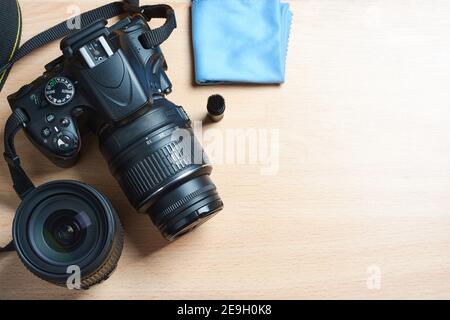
(110, 81)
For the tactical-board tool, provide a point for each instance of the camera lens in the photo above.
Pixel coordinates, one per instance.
(67, 223)
(162, 169)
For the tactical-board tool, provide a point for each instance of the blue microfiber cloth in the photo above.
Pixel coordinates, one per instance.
(240, 41)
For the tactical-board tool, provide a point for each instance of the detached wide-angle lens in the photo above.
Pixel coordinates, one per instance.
(64, 226)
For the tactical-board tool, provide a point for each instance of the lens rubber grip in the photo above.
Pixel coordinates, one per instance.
(141, 179)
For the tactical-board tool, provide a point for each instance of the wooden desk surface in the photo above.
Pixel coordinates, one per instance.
(360, 206)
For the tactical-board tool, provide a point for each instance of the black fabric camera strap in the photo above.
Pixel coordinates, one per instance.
(21, 182)
(157, 36)
(151, 38)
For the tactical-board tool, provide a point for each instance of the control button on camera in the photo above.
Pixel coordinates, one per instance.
(64, 122)
(50, 118)
(46, 132)
(64, 142)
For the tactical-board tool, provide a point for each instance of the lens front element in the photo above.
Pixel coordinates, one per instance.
(66, 229)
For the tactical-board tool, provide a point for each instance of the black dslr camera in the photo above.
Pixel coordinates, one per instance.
(112, 82)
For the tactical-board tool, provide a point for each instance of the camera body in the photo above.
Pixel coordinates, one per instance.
(105, 77)
(109, 81)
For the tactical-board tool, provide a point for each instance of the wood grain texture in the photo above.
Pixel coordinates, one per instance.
(364, 168)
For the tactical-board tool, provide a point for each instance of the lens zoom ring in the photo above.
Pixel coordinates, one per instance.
(155, 168)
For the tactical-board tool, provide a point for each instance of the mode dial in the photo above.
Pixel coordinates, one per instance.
(59, 91)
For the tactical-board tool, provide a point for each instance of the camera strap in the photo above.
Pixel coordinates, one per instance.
(21, 182)
(149, 39)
